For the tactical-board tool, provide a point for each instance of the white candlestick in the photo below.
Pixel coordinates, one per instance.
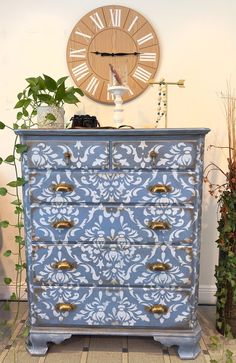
(118, 92)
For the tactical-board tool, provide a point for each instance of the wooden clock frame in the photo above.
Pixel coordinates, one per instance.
(114, 35)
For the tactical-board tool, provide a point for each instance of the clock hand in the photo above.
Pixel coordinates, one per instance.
(121, 54)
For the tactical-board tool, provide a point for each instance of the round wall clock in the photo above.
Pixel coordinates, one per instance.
(112, 37)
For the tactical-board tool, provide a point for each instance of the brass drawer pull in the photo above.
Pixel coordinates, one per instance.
(63, 307)
(63, 187)
(63, 265)
(63, 224)
(158, 225)
(157, 309)
(158, 266)
(160, 188)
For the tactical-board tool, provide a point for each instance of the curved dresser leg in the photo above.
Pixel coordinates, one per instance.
(37, 343)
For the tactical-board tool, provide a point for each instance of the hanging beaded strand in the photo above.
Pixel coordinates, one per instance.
(161, 102)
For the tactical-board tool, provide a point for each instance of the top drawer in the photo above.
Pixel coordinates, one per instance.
(163, 154)
(69, 154)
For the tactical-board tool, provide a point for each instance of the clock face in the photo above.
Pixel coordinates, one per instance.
(112, 37)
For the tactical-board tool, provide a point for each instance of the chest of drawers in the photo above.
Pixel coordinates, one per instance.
(112, 224)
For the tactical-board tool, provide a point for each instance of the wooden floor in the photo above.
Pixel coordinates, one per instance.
(82, 349)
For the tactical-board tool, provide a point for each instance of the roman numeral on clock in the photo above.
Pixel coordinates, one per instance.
(147, 57)
(80, 71)
(132, 23)
(78, 53)
(142, 74)
(92, 85)
(84, 35)
(115, 17)
(97, 21)
(145, 39)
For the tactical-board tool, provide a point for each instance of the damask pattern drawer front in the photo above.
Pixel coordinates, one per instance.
(101, 264)
(123, 224)
(124, 187)
(83, 306)
(68, 154)
(164, 154)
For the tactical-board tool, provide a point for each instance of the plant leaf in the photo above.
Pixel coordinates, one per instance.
(7, 253)
(21, 148)
(13, 296)
(16, 202)
(60, 94)
(2, 125)
(19, 115)
(4, 224)
(50, 84)
(17, 183)
(7, 280)
(10, 159)
(61, 80)
(46, 99)
(3, 191)
(50, 117)
(71, 99)
(20, 103)
(79, 91)
(26, 331)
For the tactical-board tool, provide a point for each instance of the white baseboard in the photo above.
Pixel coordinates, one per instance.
(206, 293)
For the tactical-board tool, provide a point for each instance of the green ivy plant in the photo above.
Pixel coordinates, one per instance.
(42, 90)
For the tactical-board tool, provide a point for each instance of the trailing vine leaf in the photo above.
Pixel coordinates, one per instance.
(7, 280)
(229, 356)
(2, 125)
(13, 296)
(3, 191)
(10, 159)
(17, 183)
(21, 148)
(7, 253)
(4, 224)
(26, 331)
(16, 202)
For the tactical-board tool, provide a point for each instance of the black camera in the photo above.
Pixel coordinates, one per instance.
(84, 121)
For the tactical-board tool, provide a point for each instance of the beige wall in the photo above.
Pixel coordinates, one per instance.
(197, 39)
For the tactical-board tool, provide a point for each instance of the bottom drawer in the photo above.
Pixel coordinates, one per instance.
(110, 306)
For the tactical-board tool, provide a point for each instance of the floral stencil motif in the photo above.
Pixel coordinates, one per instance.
(118, 223)
(123, 187)
(86, 155)
(111, 306)
(112, 264)
(169, 155)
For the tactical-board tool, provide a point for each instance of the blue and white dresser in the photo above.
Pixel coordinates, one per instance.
(112, 223)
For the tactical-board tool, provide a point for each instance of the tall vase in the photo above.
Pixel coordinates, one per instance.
(49, 117)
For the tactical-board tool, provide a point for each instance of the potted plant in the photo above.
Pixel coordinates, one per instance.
(225, 193)
(45, 97)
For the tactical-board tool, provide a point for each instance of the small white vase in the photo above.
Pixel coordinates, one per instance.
(44, 123)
